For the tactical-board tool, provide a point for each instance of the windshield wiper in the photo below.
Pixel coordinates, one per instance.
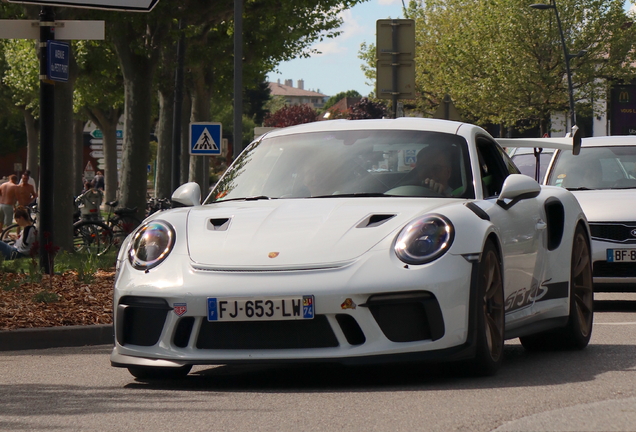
(582, 188)
(352, 195)
(252, 198)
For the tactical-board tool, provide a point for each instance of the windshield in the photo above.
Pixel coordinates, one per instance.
(349, 163)
(595, 168)
(527, 163)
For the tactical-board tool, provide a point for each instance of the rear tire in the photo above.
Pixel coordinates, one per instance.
(490, 314)
(578, 331)
(10, 233)
(91, 237)
(159, 373)
(123, 226)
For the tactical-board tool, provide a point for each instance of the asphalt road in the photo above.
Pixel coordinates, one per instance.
(591, 390)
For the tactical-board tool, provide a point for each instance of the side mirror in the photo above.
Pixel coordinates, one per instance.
(518, 187)
(188, 194)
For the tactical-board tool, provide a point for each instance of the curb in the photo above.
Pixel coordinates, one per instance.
(55, 337)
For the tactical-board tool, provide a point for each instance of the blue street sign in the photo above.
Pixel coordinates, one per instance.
(205, 139)
(58, 54)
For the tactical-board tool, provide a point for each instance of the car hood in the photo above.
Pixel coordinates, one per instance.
(608, 205)
(296, 233)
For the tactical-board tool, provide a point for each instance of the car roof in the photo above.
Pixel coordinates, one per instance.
(402, 123)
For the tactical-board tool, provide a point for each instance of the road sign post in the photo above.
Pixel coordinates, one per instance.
(395, 51)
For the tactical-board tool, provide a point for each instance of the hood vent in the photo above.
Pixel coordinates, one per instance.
(219, 224)
(375, 220)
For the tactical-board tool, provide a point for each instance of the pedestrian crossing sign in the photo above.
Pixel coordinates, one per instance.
(205, 139)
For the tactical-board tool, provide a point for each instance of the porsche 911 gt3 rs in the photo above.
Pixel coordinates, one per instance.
(352, 242)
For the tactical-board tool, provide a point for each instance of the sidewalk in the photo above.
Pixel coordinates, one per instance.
(55, 337)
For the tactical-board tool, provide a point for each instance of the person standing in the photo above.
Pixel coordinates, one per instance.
(8, 199)
(24, 243)
(24, 192)
(31, 180)
(98, 181)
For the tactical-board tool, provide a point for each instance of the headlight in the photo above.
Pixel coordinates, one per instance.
(424, 239)
(151, 244)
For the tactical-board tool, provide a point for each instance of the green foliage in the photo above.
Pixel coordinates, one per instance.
(502, 61)
(367, 109)
(290, 116)
(21, 73)
(45, 296)
(339, 96)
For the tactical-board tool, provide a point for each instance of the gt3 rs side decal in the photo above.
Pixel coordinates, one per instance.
(538, 292)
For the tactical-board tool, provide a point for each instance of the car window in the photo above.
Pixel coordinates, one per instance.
(527, 163)
(349, 163)
(494, 165)
(595, 168)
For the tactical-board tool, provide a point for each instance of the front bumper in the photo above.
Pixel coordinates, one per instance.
(612, 276)
(371, 310)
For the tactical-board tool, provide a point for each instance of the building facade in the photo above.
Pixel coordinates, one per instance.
(298, 95)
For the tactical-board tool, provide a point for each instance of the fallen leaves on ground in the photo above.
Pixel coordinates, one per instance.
(71, 302)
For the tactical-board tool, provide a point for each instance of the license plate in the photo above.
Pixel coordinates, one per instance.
(621, 255)
(260, 309)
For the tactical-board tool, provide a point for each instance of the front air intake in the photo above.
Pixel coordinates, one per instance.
(408, 316)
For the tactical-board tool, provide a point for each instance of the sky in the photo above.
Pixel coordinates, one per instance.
(337, 69)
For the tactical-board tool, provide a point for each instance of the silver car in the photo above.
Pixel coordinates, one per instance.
(603, 179)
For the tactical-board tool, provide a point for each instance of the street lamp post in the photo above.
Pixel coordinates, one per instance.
(566, 54)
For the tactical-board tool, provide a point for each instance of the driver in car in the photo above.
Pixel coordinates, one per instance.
(433, 167)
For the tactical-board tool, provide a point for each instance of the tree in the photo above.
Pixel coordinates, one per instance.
(502, 61)
(339, 96)
(367, 109)
(290, 116)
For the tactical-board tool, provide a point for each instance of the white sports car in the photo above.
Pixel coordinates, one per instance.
(353, 242)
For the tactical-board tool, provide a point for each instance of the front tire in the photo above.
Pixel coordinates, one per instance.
(578, 331)
(490, 314)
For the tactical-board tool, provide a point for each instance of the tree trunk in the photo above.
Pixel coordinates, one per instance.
(78, 156)
(63, 167)
(33, 142)
(186, 112)
(138, 71)
(107, 121)
(201, 95)
(163, 174)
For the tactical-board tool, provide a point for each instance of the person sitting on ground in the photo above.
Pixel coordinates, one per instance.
(433, 167)
(90, 201)
(7, 201)
(24, 243)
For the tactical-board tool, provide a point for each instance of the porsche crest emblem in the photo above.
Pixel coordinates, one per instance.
(273, 254)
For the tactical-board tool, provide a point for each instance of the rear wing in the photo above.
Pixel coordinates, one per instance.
(572, 141)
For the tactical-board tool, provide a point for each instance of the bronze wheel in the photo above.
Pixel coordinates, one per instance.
(490, 310)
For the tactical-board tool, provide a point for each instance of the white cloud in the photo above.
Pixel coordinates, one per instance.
(389, 2)
(329, 48)
(350, 26)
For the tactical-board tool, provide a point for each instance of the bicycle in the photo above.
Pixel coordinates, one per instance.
(90, 233)
(157, 204)
(11, 232)
(122, 223)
